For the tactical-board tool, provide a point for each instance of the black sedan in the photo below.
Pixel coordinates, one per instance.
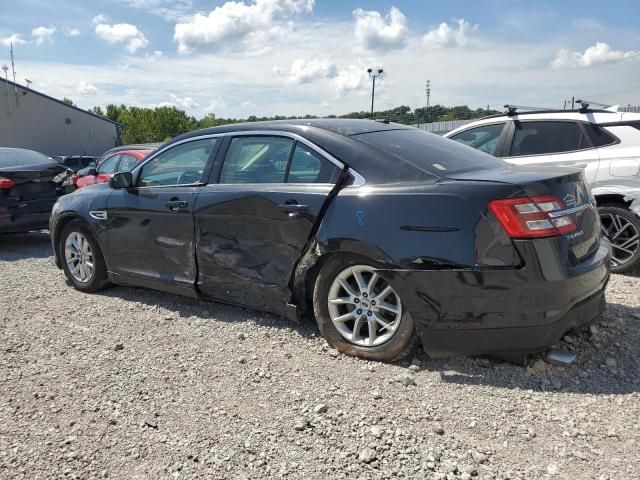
(386, 235)
(30, 183)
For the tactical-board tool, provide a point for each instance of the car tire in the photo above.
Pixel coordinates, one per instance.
(401, 343)
(609, 215)
(71, 247)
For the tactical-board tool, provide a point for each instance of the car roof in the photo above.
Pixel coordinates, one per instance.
(600, 117)
(136, 152)
(342, 126)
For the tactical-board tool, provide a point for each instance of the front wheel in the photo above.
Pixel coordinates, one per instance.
(82, 259)
(622, 227)
(361, 314)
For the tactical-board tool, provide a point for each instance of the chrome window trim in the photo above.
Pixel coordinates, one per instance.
(358, 180)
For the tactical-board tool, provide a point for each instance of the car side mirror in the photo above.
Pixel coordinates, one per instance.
(121, 180)
(92, 171)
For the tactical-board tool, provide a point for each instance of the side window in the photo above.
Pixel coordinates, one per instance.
(127, 162)
(309, 167)
(179, 165)
(540, 138)
(70, 162)
(484, 138)
(599, 136)
(256, 160)
(109, 165)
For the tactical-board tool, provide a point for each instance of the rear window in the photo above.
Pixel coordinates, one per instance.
(15, 157)
(428, 152)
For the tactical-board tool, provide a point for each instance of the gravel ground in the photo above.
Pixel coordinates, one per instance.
(131, 383)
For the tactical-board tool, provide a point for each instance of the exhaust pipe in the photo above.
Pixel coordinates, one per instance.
(559, 357)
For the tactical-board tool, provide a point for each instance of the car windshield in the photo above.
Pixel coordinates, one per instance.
(16, 157)
(429, 152)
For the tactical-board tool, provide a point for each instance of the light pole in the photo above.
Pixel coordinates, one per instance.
(374, 73)
(428, 92)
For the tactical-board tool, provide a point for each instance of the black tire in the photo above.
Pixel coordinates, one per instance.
(403, 342)
(99, 279)
(606, 211)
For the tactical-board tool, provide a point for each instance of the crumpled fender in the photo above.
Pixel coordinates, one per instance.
(628, 189)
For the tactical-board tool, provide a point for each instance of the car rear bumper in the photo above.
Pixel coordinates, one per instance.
(22, 223)
(466, 312)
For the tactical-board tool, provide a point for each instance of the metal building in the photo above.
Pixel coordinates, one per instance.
(33, 120)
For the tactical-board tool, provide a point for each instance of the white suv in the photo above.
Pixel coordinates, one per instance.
(605, 143)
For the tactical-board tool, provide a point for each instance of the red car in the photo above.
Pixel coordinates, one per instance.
(122, 161)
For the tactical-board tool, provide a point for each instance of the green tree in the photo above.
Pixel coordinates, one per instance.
(68, 101)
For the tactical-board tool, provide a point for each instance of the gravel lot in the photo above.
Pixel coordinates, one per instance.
(132, 383)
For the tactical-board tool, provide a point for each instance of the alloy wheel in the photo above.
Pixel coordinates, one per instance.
(624, 237)
(79, 257)
(363, 307)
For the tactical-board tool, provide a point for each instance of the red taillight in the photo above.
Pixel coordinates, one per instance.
(532, 217)
(75, 179)
(6, 182)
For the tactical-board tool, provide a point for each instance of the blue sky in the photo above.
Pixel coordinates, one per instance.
(305, 56)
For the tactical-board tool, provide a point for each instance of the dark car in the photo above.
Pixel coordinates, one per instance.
(387, 235)
(92, 169)
(76, 162)
(30, 183)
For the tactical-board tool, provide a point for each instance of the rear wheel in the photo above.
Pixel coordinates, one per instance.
(361, 314)
(622, 227)
(82, 259)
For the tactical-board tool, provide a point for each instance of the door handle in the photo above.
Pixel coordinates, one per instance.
(176, 205)
(294, 207)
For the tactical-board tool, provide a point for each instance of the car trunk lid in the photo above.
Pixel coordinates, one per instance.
(568, 188)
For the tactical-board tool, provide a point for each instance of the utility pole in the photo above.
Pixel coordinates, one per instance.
(13, 69)
(374, 74)
(428, 92)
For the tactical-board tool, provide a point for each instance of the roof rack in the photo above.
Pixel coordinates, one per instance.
(584, 105)
(512, 109)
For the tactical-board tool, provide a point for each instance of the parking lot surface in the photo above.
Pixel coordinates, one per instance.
(132, 383)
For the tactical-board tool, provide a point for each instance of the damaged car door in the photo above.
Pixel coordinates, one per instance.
(151, 227)
(255, 218)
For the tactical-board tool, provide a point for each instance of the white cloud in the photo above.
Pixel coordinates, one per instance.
(350, 79)
(87, 88)
(43, 34)
(101, 18)
(375, 32)
(235, 23)
(446, 36)
(122, 33)
(215, 104)
(14, 38)
(599, 53)
(303, 71)
(166, 9)
(71, 32)
(183, 102)
(154, 56)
